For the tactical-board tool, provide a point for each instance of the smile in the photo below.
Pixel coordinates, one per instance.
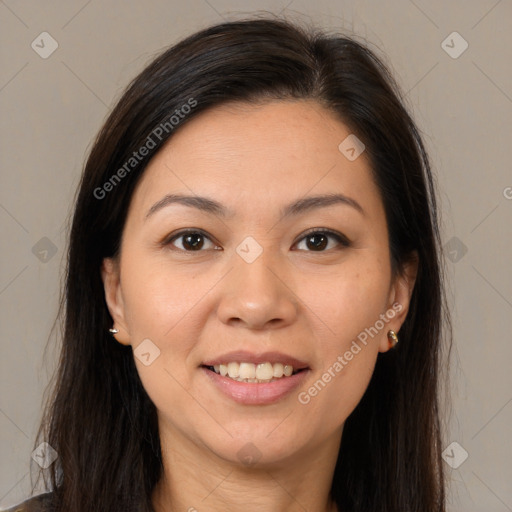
(254, 373)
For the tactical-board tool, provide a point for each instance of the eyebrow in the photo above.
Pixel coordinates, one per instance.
(212, 207)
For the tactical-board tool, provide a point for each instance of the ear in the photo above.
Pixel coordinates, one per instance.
(114, 297)
(399, 298)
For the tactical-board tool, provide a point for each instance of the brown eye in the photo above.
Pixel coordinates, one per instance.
(317, 240)
(191, 241)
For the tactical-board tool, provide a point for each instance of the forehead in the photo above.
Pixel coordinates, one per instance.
(257, 155)
(265, 130)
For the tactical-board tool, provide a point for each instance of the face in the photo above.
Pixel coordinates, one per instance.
(256, 281)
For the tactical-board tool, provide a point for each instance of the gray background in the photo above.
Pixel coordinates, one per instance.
(52, 108)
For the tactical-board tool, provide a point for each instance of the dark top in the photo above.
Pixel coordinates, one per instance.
(40, 503)
(34, 504)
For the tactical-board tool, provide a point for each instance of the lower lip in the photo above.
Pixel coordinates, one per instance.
(253, 393)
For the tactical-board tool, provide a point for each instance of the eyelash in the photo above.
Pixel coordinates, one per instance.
(341, 239)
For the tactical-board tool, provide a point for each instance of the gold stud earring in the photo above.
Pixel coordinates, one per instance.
(392, 338)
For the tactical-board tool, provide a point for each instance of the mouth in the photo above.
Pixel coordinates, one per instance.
(261, 373)
(255, 379)
(255, 383)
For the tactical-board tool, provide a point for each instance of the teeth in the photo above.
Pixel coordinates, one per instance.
(233, 370)
(249, 372)
(278, 370)
(264, 371)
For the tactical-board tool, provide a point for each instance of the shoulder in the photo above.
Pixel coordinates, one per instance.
(33, 504)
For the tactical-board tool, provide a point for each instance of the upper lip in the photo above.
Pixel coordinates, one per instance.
(244, 356)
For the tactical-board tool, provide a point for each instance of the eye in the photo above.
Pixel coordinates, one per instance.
(318, 239)
(192, 240)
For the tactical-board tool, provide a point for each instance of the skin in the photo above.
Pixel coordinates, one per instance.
(310, 303)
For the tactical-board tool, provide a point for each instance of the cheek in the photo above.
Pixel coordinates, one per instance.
(163, 305)
(348, 326)
(157, 299)
(348, 301)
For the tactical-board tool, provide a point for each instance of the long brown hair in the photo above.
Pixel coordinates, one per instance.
(99, 418)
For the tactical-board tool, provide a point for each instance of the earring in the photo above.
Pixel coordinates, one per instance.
(113, 331)
(393, 339)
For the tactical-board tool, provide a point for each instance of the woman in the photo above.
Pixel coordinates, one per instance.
(254, 300)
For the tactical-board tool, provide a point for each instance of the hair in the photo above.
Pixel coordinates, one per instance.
(99, 418)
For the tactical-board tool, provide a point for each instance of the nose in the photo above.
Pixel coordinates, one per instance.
(257, 295)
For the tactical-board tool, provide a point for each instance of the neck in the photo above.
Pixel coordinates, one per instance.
(196, 480)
